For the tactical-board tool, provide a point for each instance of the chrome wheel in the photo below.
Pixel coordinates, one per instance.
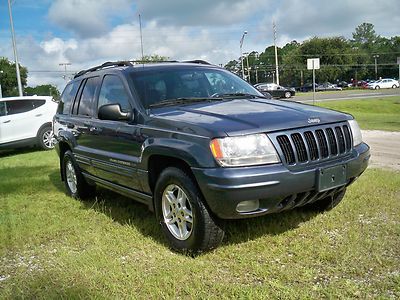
(47, 139)
(287, 95)
(70, 175)
(177, 212)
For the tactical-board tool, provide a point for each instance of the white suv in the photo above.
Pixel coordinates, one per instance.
(27, 121)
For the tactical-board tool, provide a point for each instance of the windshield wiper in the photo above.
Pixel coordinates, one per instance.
(238, 95)
(183, 100)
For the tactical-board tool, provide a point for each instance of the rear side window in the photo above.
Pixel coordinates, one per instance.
(112, 92)
(67, 97)
(19, 106)
(3, 109)
(87, 97)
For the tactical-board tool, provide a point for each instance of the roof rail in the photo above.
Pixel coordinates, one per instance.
(105, 65)
(197, 61)
(130, 63)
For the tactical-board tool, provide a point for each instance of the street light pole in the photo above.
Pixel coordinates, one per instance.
(1, 91)
(376, 66)
(241, 52)
(248, 66)
(276, 54)
(15, 50)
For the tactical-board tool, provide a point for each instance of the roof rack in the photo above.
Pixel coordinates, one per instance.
(130, 63)
(105, 65)
(197, 61)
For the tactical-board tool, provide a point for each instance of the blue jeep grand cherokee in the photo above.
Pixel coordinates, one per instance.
(199, 145)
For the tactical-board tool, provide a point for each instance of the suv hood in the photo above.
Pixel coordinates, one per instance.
(243, 116)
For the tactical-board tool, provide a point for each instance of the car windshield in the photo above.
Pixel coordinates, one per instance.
(182, 85)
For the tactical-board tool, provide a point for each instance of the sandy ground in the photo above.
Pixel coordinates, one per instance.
(385, 148)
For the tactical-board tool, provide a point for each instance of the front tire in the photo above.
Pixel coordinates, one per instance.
(287, 95)
(394, 86)
(184, 219)
(75, 184)
(377, 87)
(45, 138)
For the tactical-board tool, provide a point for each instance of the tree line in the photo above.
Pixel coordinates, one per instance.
(341, 59)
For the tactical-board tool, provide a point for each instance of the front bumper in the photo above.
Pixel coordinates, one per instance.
(275, 186)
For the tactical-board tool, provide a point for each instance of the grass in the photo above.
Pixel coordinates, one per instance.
(53, 246)
(371, 114)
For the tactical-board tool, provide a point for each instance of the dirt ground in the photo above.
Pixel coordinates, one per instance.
(385, 148)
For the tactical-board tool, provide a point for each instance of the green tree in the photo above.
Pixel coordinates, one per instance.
(365, 34)
(153, 58)
(8, 78)
(43, 90)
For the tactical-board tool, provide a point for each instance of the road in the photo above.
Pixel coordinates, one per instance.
(385, 147)
(346, 94)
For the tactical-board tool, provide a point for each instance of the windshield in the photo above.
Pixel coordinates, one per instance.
(188, 84)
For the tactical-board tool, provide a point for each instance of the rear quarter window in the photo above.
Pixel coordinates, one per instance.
(67, 97)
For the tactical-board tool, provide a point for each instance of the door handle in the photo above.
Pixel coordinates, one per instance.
(38, 115)
(8, 121)
(95, 129)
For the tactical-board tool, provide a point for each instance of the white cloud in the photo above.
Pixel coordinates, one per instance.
(87, 18)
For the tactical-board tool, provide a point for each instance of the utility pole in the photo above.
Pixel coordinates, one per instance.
(276, 53)
(241, 52)
(15, 50)
(376, 66)
(65, 69)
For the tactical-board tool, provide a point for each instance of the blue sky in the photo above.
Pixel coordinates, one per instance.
(89, 32)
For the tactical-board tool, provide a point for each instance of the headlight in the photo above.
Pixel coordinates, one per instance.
(247, 150)
(355, 129)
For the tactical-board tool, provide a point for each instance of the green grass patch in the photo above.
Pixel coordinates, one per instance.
(373, 114)
(53, 246)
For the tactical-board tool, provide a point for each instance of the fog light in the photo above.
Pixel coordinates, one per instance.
(247, 206)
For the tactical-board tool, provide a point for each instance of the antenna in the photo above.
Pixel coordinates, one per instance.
(141, 36)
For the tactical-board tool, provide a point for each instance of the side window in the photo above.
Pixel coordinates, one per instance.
(87, 97)
(67, 97)
(3, 109)
(19, 106)
(113, 91)
(38, 103)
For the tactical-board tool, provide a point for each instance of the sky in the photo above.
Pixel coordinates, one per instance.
(86, 33)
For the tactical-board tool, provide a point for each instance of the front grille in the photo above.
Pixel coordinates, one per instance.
(315, 144)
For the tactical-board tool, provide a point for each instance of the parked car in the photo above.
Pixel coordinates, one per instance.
(308, 87)
(344, 84)
(275, 90)
(198, 145)
(383, 84)
(26, 121)
(327, 86)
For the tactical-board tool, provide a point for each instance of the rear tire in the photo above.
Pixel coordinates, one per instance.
(45, 138)
(184, 219)
(75, 184)
(394, 86)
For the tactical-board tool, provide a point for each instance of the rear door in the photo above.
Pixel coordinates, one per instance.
(80, 123)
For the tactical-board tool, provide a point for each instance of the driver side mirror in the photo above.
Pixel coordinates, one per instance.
(113, 112)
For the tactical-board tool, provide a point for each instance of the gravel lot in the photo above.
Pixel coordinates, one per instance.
(385, 148)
